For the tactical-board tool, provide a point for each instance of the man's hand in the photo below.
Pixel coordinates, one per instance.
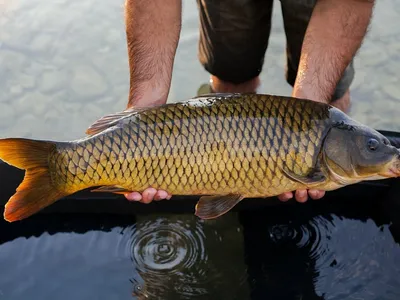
(152, 31)
(148, 195)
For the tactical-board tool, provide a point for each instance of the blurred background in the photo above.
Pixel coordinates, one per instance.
(63, 64)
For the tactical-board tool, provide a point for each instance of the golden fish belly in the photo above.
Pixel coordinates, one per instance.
(209, 146)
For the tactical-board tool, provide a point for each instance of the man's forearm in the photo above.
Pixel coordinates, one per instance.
(152, 29)
(334, 34)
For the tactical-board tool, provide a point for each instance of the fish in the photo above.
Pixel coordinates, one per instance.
(222, 147)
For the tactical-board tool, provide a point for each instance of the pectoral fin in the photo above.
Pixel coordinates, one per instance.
(112, 189)
(313, 178)
(210, 207)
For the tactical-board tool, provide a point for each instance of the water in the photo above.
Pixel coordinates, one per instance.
(337, 250)
(61, 71)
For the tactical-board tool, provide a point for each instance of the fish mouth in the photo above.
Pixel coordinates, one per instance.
(392, 172)
(393, 169)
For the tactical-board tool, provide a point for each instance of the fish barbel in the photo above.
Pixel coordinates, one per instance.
(223, 147)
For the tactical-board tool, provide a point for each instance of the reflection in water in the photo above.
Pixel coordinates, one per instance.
(167, 248)
(169, 251)
(172, 257)
(314, 236)
(115, 257)
(337, 249)
(138, 289)
(66, 257)
(360, 261)
(286, 252)
(338, 258)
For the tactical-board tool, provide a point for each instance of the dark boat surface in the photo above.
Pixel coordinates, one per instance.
(101, 246)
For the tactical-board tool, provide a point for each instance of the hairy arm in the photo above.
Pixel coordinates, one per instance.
(152, 30)
(334, 35)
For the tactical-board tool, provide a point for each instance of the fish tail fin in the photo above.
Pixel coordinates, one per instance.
(36, 191)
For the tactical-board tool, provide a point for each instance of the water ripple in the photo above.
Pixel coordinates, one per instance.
(351, 259)
(172, 258)
(167, 248)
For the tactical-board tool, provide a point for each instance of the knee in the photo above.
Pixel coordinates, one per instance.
(221, 86)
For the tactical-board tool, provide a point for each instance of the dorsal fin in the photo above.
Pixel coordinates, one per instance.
(207, 99)
(112, 119)
(207, 95)
(215, 96)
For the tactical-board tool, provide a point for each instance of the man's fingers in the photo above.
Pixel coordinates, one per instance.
(316, 194)
(134, 196)
(285, 196)
(301, 196)
(160, 195)
(151, 194)
(148, 195)
(313, 194)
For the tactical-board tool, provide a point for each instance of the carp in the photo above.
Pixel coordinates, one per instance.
(221, 147)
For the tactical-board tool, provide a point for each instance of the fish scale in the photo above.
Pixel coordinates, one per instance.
(205, 146)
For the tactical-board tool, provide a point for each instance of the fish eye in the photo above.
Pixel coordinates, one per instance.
(372, 144)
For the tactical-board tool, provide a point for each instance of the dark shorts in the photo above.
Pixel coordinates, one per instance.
(234, 37)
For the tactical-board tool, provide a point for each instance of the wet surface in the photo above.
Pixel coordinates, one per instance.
(330, 253)
(61, 71)
(333, 250)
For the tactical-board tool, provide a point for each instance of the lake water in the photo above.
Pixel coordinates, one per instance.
(63, 64)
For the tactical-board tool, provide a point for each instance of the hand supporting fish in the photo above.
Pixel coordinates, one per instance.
(148, 195)
(222, 147)
(151, 194)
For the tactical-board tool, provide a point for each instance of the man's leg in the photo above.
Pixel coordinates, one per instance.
(296, 16)
(221, 86)
(343, 103)
(233, 39)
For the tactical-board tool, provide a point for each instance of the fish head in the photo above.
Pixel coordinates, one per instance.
(353, 152)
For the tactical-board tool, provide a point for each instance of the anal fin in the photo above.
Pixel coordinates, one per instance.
(112, 189)
(211, 207)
